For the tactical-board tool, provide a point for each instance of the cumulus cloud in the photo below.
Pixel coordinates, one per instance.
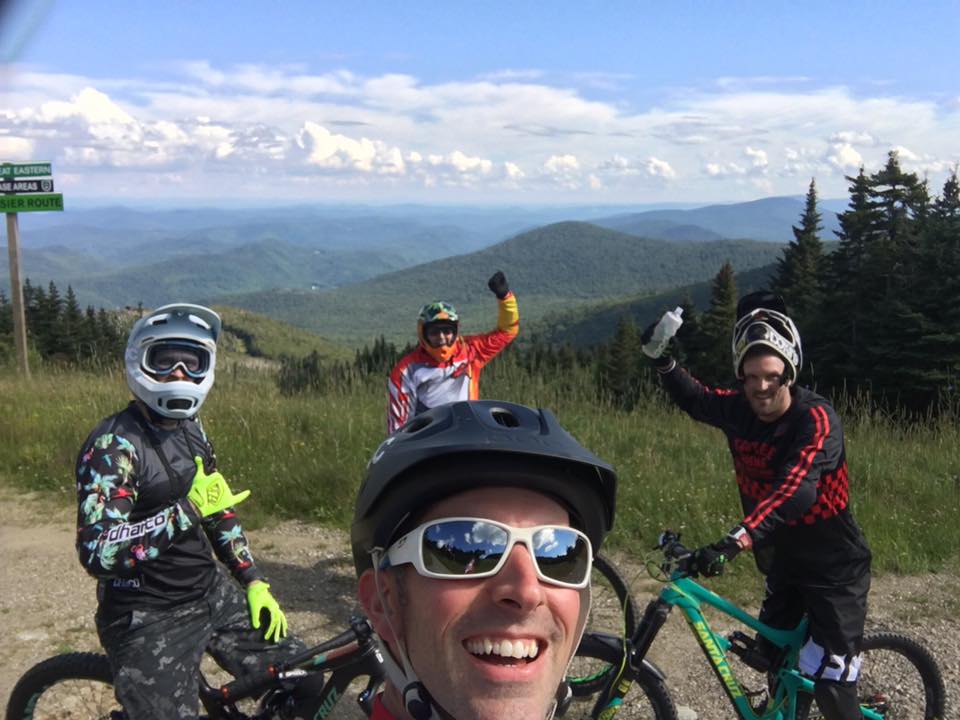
(852, 137)
(332, 151)
(659, 168)
(561, 164)
(844, 157)
(509, 129)
(758, 158)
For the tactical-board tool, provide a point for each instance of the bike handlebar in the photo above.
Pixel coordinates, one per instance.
(675, 553)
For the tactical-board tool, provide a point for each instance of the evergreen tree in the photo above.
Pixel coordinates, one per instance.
(6, 315)
(619, 374)
(72, 329)
(716, 328)
(799, 276)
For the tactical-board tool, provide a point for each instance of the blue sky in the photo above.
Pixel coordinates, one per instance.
(492, 102)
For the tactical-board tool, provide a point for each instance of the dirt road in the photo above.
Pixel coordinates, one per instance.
(47, 601)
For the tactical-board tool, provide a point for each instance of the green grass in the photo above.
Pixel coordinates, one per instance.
(304, 457)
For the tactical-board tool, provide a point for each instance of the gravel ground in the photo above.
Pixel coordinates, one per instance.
(47, 602)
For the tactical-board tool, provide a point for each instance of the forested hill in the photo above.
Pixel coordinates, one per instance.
(768, 219)
(551, 268)
(595, 324)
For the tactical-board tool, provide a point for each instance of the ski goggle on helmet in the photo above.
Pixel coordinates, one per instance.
(173, 336)
(766, 326)
(462, 548)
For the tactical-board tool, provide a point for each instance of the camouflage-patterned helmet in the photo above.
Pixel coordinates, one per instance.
(439, 310)
(438, 313)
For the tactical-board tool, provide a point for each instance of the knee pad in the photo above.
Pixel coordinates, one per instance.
(837, 700)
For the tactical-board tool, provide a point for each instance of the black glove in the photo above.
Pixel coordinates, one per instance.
(710, 560)
(498, 285)
(664, 363)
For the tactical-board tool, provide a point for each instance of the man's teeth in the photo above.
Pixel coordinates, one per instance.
(504, 648)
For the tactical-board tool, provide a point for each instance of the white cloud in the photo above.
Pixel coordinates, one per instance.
(16, 148)
(853, 138)
(758, 158)
(659, 168)
(331, 151)
(844, 157)
(510, 129)
(561, 164)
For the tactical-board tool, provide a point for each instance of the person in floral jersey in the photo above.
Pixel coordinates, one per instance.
(155, 516)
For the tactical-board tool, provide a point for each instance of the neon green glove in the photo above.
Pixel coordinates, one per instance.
(259, 599)
(210, 493)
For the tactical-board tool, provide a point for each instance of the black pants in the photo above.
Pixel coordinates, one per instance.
(837, 613)
(155, 653)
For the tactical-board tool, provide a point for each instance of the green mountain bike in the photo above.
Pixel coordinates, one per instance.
(899, 678)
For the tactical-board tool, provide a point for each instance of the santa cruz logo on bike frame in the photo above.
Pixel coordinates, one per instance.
(716, 656)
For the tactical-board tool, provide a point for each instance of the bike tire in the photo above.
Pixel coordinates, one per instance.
(76, 685)
(613, 611)
(898, 674)
(648, 697)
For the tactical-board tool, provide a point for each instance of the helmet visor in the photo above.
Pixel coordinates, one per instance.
(163, 358)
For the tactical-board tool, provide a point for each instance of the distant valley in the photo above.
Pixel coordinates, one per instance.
(351, 274)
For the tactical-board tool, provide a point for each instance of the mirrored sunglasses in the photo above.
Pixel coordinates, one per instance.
(464, 548)
(162, 359)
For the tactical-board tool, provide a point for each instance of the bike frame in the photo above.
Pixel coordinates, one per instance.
(689, 596)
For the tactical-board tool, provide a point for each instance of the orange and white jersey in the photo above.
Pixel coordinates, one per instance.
(418, 382)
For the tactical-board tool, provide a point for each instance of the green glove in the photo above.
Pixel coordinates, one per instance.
(259, 599)
(210, 493)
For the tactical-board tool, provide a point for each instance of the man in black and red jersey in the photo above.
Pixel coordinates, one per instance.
(790, 461)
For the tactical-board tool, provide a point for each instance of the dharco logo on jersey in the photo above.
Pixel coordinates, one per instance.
(128, 531)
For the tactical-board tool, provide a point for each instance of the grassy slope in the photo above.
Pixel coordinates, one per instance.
(305, 456)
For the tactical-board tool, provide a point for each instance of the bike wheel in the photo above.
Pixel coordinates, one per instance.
(899, 679)
(613, 611)
(646, 699)
(75, 685)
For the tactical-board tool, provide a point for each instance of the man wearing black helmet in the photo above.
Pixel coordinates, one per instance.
(473, 540)
(445, 366)
(790, 461)
(152, 513)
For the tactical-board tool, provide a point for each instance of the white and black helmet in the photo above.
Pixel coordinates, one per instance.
(191, 328)
(762, 320)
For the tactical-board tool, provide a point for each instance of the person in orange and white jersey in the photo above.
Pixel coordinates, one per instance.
(445, 367)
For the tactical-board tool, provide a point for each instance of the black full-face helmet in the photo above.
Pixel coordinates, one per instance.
(477, 444)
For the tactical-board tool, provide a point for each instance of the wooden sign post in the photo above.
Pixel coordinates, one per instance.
(38, 198)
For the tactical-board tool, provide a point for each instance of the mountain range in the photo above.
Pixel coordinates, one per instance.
(354, 273)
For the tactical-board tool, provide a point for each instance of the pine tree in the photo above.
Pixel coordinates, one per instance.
(72, 330)
(619, 374)
(717, 326)
(799, 277)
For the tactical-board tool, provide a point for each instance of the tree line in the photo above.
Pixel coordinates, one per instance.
(59, 330)
(878, 309)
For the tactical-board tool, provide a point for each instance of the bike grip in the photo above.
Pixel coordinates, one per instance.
(249, 685)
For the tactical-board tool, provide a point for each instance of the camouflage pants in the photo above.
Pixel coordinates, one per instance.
(155, 654)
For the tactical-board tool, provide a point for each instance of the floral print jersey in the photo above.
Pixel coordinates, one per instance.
(136, 530)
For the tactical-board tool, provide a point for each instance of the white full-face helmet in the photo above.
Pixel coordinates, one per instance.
(172, 336)
(762, 321)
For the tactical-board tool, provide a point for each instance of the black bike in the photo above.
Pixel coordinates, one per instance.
(80, 685)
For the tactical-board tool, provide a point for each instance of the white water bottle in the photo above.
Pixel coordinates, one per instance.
(665, 329)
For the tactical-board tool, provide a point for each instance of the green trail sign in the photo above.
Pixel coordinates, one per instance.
(31, 203)
(10, 171)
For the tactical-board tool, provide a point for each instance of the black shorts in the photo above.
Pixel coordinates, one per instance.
(837, 615)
